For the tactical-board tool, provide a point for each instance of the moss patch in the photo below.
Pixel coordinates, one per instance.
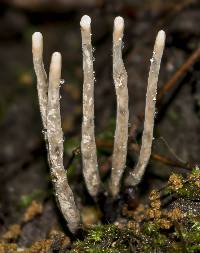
(105, 239)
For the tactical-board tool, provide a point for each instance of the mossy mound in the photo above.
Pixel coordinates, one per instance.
(151, 237)
(174, 228)
(105, 239)
(169, 222)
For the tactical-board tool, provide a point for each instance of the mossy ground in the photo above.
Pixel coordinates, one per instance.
(151, 227)
(184, 237)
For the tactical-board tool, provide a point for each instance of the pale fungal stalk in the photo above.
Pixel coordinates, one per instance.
(121, 131)
(55, 140)
(42, 83)
(88, 144)
(49, 101)
(50, 111)
(147, 137)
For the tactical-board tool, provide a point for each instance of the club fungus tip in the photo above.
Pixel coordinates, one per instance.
(85, 22)
(119, 23)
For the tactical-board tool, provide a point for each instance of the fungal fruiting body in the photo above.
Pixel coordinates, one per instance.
(49, 102)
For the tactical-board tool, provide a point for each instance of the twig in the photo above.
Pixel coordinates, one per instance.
(178, 74)
(147, 137)
(163, 159)
(103, 143)
(121, 131)
(167, 161)
(171, 150)
(88, 145)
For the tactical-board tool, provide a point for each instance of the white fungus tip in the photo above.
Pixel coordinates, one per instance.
(55, 66)
(55, 70)
(160, 39)
(85, 22)
(37, 39)
(56, 57)
(119, 23)
(37, 45)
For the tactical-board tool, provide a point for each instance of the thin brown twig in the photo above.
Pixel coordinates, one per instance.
(163, 159)
(102, 143)
(167, 161)
(170, 149)
(178, 74)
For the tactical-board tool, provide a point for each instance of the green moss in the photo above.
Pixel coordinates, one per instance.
(196, 171)
(189, 191)
(105, 239)
(160, 240)
(110, 239)
(96, 235)
(182, 235)
(190, 234)
(150, 238)
(153, 237)
(150, 228)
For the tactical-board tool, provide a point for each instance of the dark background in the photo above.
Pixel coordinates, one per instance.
(24, 172)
